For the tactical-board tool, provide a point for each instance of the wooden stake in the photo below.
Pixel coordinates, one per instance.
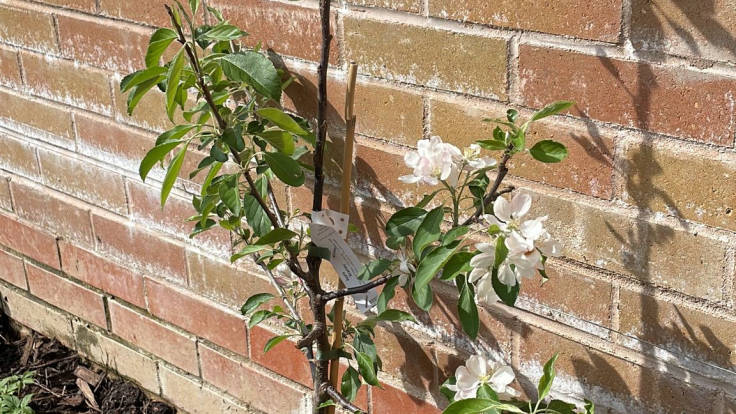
(345, 199)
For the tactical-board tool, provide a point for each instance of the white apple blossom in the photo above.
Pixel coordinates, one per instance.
(482, 272)
(474, 160)
(406, 268)
(433, 161)
(478, 371)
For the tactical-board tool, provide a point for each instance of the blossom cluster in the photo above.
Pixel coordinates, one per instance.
(436, 161)
(479, 371)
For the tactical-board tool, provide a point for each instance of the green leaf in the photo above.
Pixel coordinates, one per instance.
(217, 153)
(405, 222)
(256, 216)
(350, 383)
(486, 392)
(589, 407)
(422, 296)
(433, 262)
(508, 294)
(367, 371)
(387, 294)
(459, 263)
(194, 6)
(233, 139)
(427, 198)
(281, 140)
(478, 405)
(429, 231)
(172, 85)
(159, 42)
(501, 251)
(255, 70)
(223, 32)
(250, 249)
(282, 120)
(141, 76)
(136, 94)
(255, 301)
(373, 269)
(171, 173)
(551, 109)
(466, 308)
(545, 383)
(512, 115)
(174, 133)
(276, 235)
(491, 145)
(214, 169)
(286, 169)
(259, 317)
(321, 252)
(328, 403)
(499, 135)
(453, 234)
(230, 195)
(562, 407)
(273, 342)
(395, 315)
(519, 141)
(155, 155)
(548, 151)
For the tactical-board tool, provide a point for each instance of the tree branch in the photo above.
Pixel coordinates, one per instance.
(503, 169)
(319, 150)
(328, 296)
(339, 399)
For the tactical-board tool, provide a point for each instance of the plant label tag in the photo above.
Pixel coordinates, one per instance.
(345, 262)
(330, 218)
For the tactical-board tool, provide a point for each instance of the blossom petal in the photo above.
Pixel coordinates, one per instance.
(477, 366)
(506, 275)
(520, 204)
(502, 377)
(502, 209)
(532, 229)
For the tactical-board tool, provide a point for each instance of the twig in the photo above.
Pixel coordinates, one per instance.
(328, 296)
(492, 195)
(339, 399)
(319, 150)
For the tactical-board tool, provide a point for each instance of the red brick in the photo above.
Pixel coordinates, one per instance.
(9, 69)
(102, 274)
(202, 318)
(390, 399)
(29, 241)
(247, 384)
(103, 44)
(145, 208)
(596, 20)
(678, 328)
(189, 394)
(11, 269)
(147, 250)
(685, 28)
(28, 28)
(284, 28)
(284, 359)
(58, 214)
(413, 6)
(587, 170)
(378, 167)
(18, 157)
(154, 337)
(85, 5)
(150, 12)
(67, 82)
(107, 141)
(36, 118)
(83, 180)
(638, 95)
(67, 295)
(407, 357)
(5, 200)
(150, 112)
(36, 315)
(426, 56)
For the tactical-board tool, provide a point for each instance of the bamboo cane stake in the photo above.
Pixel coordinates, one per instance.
(345, 198)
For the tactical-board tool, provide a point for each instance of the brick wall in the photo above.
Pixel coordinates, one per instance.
(641, 307)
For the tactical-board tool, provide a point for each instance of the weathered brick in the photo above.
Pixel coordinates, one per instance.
(29, 241)
(9, 69)
(588, 168)
(18, 157)
(630, 387)
(284, 359)
(151, 12)
(653, 253)
(247, 384)
(678, 328)
(81, 179)
(413, 6)
(107, 141)
(150, 113)
(27, 28)
(407, 357)
(660, 178)
(596, 20)
(57, 214)
(12, 270)
(639, 95)
(104, 44)
(224, 283)
(144, 249)
(38, 119)
(154, 337)
(67, 82)
(563, 291)
(284, 28)
(435, 58)
(67, 295)
(685, 28)
(203, 318)
(36, 315)
(189, 394)
(102, 274)
(389, 399)
(111, 353)
(6, 202)
(145, 208)
(85, 5)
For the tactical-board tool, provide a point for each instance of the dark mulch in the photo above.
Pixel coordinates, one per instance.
(59, 388)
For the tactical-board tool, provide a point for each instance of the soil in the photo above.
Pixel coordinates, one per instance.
(65, 382)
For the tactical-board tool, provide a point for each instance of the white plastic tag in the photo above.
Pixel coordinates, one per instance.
(345, 262)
